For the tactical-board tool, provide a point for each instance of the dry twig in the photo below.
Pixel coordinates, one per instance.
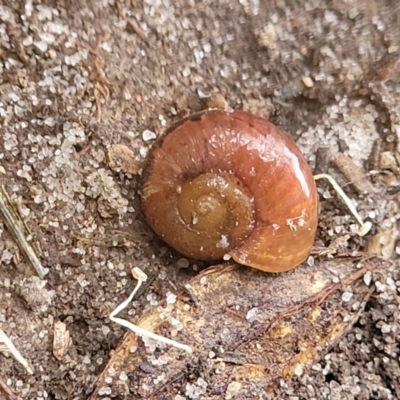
(18, 229)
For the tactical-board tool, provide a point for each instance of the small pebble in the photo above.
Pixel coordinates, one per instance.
(148, 135)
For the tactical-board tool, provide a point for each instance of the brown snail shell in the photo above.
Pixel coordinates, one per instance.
(230, 183)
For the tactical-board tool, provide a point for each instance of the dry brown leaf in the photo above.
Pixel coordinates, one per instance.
(247, 329)
(61, 340)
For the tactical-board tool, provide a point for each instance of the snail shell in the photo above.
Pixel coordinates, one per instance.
(230, 183)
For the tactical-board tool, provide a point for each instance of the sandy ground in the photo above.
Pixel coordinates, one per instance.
(78, 77)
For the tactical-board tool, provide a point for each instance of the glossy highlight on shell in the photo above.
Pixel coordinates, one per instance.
(230, 183)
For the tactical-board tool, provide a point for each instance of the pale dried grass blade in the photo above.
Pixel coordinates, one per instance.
(15, 225)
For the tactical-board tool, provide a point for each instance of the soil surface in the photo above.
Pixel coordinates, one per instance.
(77, 77)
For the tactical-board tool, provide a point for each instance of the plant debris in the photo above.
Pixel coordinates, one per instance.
(15, 224)
(277, 325)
